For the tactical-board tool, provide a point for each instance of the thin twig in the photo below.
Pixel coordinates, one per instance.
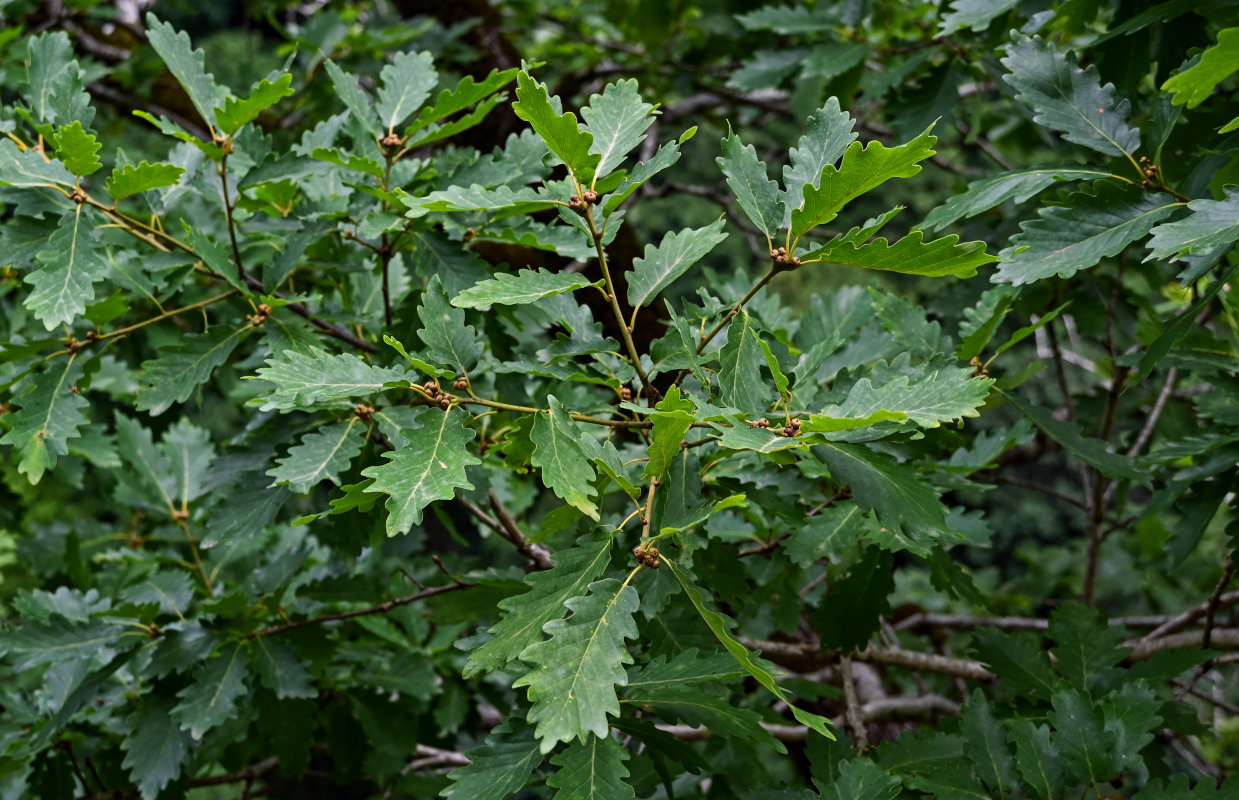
(536, 553)
(381, 608)
(860, 734)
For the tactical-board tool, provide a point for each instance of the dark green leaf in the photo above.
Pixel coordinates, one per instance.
(212, 697)
(558, 453)
(187, 65)
(985, 744)
(1097, 222)
(1017, 185)
(574, 673)
(430, 466)
(757, 195)
(527, 286)
(660, 266)
(851, 612)
(591, 770)
(1086, 648)
(499, 768)
(280, 669)
(352, 96)
(1086, 749)
(50, 415)
(828, 136)
(448, 339)
(740, 383)
(155, 748)
(322, 455)
(1017, 658)
(1067, 99)
(617, 118)
(1093, 452)
(548, 591)
(720, 626)
(304, 380)
(1036, 758)
(407, 82)
(65, 282)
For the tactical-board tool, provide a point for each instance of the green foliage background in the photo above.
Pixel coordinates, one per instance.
(619, 399)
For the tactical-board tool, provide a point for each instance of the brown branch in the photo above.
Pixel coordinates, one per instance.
(381, 608)
(1219, 639)
(856, 722)
(536, 553)
(431, 757)
(1181, 621)
(926, 662)
(247, 775)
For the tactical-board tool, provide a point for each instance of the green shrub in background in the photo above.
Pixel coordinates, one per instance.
(345, 458)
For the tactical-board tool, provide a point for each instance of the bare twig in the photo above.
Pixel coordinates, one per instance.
(381, 608)
(431, 757)
(536, 553)
(927, 662)
(860, 734)
(247, 775)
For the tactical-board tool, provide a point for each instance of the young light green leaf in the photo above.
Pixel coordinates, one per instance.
(407, 82)
(57, 640)
(182, 367)
(499, 768)
(65, 282)
(772, 363)
(448, 339)
(465, 94)
(1067, 99)
(561, 132)
(155, 747)
(186, 64)
(941, 396)
(1213, 224)
(617, 118)
(985, 744)
(906, 506)
(211, 698)
(322, 455)
(574, 673)
(675, 415)
(1017, 185)
(351, 95)
(910, 255)
(548, 591)
(591, 770)
(757, 195)
(302, 380)
(1093, 225)
(50, 55)
(351, 161)
(77, 149)
(477, 198)
(667, 155)
(830, 131)
(49, 415)
(216, 255)
(132, 179)
(863, 169)
(27, 168)
(527, 286)
(234, 113)
(739, 376)
(721, 626)
(1194, 84)
(430, 466)
(660, 266)
(558, 454)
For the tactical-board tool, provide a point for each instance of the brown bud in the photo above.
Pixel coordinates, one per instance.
(625, 394)
(461, 383)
